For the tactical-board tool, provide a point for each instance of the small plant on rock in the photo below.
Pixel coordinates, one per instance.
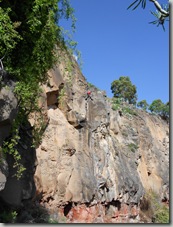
(152, 208)
(133, 147)
(8, 217)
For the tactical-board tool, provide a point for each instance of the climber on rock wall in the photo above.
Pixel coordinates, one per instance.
(88, 96)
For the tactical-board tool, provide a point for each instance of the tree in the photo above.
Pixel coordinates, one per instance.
(161, 13)
(143, 104)
(123, 88)
(158, 107)
(165, 111)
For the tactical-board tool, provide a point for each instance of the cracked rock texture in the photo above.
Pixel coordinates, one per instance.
(92, 156)
(94, 164)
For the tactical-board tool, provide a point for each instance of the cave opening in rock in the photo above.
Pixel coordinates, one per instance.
(67, 208)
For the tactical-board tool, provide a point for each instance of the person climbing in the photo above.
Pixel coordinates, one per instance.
(88, 95)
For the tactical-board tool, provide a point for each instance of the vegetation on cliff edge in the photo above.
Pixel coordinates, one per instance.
(30, 36)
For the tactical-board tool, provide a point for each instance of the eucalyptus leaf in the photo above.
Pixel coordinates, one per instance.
(132, 4)
(138, 3)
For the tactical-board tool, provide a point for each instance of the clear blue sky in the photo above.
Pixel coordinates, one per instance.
(118, 42)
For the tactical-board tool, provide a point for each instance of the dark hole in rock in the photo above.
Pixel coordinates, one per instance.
(67, 209)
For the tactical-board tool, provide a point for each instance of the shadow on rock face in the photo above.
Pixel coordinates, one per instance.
(8, 108)
(18, 200)
(17, 191)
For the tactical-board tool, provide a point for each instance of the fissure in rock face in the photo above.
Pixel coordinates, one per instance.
(94, 164)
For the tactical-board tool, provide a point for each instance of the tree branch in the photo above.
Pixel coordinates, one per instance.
(159, 8)
(1, 65)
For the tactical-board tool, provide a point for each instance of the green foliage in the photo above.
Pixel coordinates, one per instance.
(10, 147)
(39, 129)
(154, 209)
(161, 18)
(133, 147)
(28, 54)
(61, 97)
(160, 211)
(158, 107)
(116, 106)
(138, 2)
(8, 217)
(27, 94)
(162, 215)
(165, 111)
(117, 103)
(9, 36)
(123, 88)
(29, 57)
(51, 221)
(126, 109)
(90, 85)
(161, 13)
(69, 71)
(143, 105)
(29, 42)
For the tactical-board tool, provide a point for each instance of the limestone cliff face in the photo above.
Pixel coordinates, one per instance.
(94, 163)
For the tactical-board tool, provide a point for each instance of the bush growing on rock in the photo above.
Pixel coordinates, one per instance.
(152, 209)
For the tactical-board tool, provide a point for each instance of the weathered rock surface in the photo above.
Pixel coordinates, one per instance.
(12, 190)
(92, 156)
(94, 164)
(8, 110)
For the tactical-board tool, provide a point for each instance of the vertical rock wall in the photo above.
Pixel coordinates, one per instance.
(95, 164)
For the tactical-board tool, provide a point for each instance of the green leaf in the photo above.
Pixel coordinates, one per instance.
(132, 4)
(139, 2)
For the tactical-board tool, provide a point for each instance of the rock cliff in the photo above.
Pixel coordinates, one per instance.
(8, 111)
(94, 164)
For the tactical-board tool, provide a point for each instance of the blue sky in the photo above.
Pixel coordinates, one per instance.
(118, 42)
